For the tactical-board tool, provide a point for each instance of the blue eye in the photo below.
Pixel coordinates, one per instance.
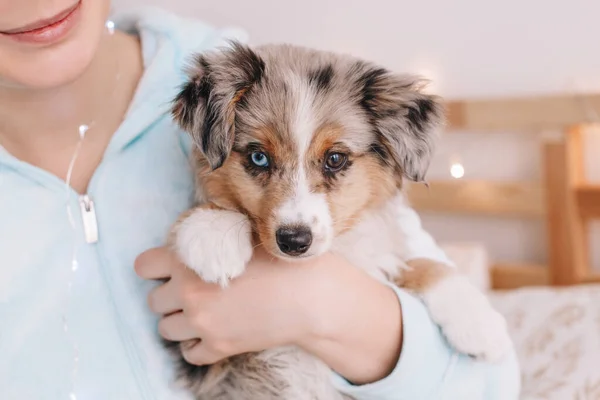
(259, 159)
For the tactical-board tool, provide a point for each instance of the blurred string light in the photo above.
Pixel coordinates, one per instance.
(457, 170)
(110, 27)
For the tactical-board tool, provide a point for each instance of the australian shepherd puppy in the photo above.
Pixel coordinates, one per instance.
(305, 152)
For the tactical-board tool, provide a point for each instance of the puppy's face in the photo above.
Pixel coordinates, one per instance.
(303, 142)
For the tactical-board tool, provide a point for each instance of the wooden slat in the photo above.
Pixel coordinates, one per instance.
(512, 276)
(518, 114)
(520, 199)
(575, 162)
(557, 197)
(588, 201)
(568, 258)
(580, 264)
(594, 278)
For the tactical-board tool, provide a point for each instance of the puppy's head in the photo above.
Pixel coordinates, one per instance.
(303, 142)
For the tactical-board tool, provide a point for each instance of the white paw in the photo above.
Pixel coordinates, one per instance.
(468, 320)
(216, 244)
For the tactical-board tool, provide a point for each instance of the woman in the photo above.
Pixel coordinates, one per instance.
(75, 317)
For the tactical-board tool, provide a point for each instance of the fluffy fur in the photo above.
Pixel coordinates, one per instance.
(304, 152)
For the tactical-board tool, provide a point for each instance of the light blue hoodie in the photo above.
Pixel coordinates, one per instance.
(142, 184)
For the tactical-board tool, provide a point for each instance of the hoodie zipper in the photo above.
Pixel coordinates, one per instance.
(90, 230)
(88, 216)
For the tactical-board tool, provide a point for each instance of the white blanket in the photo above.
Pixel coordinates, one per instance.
(557, 334)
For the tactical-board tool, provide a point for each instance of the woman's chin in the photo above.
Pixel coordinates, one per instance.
(45, 70)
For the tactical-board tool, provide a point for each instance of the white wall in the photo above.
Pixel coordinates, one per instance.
(470, 48)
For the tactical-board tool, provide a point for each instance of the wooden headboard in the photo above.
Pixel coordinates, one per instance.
(563, 198)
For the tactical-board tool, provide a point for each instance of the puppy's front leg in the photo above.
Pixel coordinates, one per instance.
(465, 315)
(215, 243)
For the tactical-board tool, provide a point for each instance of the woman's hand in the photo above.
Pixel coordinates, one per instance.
(259, 310)
(324, 305)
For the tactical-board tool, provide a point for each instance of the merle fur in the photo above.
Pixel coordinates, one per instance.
(245, 88)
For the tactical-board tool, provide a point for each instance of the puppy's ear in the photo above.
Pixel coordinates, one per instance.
(205, 106)
(405, 119)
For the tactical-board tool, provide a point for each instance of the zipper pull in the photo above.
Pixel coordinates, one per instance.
(88, 215)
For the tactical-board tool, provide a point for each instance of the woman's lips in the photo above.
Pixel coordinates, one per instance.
(47, 31)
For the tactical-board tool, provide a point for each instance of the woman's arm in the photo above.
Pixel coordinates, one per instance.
(357, 323)
(427, 367)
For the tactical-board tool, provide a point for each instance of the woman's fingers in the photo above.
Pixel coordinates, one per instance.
(199, 353)
(176, 327)
(165, 299)
(155, 263)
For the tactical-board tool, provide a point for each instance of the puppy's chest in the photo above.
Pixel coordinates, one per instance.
(375, 244)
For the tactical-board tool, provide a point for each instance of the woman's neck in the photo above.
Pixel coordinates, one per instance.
(41, 127)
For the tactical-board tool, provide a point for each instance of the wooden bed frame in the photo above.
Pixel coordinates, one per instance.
(562, 198)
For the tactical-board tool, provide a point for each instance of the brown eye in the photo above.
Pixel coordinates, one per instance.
(335, 162)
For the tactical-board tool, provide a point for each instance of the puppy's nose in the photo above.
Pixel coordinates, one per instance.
(293, 241)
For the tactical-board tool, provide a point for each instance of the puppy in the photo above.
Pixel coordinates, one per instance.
(305, 152)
